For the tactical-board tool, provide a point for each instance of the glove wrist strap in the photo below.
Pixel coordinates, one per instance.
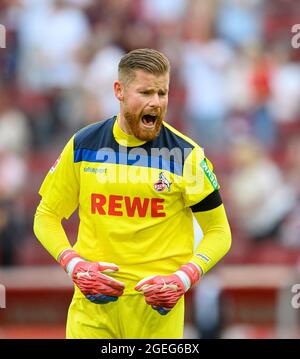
(71, 265)
(185, 279)
(66, 260)
(189, 274)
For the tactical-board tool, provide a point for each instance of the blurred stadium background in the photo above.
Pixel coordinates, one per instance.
(235, 89)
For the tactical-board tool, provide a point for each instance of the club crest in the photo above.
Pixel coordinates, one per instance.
(162, 183)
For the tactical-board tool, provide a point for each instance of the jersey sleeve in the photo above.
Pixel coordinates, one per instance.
(60, 189)
(216, 241)
(201, 188)
(203, 197)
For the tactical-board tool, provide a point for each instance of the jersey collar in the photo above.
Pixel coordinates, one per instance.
(123, 138)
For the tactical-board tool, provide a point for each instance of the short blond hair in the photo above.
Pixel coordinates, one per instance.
(148, 60)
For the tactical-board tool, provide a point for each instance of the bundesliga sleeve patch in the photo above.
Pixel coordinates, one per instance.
(52, 169)
(204, 257)
(208, 173)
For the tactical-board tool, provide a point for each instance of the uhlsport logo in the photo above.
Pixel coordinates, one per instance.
(2, 37)
(2, 296)
(296, 37)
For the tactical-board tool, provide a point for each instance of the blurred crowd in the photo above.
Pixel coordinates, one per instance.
(235, 89)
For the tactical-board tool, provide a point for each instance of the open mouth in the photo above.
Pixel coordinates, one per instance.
(149, 120)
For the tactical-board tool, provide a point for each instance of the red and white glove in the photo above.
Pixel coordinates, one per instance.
(162, 292)
(89, 278)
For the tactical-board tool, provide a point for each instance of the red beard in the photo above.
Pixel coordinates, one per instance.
(143, 134)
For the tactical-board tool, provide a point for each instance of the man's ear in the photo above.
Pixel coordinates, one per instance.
(119, 90)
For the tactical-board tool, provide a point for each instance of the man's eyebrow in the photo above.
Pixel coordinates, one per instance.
(150, 89)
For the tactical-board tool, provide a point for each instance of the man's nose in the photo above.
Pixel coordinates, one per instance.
(154, 101)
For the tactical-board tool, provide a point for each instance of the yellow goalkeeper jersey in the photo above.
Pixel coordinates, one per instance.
(135, 198)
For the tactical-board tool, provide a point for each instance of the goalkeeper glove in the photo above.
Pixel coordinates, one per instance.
(89, 278)
(162, 292)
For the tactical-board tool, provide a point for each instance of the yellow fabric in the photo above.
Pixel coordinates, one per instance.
(216, 238)
(87, 320)
(123, 138)
(48, 228)
(197, 185)
(155, 237)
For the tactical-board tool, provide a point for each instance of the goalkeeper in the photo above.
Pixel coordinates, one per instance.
(138, 185)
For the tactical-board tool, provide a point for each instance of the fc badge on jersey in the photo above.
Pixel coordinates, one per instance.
(52, 169)
(162, 183)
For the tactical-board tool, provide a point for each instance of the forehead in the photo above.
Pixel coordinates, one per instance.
(146, 79)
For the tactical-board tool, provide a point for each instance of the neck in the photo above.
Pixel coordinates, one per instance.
(123, 124)
(123, 138)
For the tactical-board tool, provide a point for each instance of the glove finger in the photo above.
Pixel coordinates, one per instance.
(164, 291)
(162, 295)
(103, 290)
(100, 287)
(107, 267)
(157, 284)
(144, 284)
(150, 288)
(162, 302)
(168, 302)
(109, 281)
(158, 289)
